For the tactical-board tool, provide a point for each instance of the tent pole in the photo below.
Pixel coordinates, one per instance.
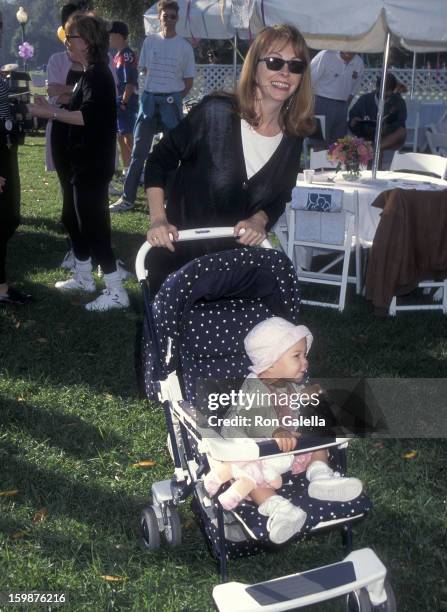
(413, 76)
(235, 61)
(380, 109)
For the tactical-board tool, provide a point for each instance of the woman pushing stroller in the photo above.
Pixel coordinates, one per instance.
(278, 352)
(236, 157)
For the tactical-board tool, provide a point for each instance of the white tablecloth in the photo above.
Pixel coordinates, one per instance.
(368, 190)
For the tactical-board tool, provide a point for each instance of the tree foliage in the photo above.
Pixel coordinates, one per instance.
(131, 12)
(40, 30)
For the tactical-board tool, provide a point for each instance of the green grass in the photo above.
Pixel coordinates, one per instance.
(72, 426)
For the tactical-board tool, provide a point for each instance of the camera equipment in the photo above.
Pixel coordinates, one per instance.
(19, 96)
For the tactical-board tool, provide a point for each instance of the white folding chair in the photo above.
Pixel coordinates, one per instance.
(437, 142)
(420, 162)
(332, 233)
(412, 124)
(322, 120)
(440, 296)
(319, 161)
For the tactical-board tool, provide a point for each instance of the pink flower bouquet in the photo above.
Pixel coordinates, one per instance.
(350, 153)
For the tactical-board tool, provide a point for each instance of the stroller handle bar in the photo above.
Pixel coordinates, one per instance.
(201, 233)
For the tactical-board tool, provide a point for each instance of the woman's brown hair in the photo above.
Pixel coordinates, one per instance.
(93, 31)
(297, 112)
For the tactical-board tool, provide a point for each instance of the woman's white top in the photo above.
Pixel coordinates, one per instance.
(258, 149)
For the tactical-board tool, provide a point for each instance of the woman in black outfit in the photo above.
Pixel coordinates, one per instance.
(9, 195)
(236, 157)
(91, 116)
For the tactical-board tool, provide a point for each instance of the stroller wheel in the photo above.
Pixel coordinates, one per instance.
(358, 601)
(173, 530)
(150, 535)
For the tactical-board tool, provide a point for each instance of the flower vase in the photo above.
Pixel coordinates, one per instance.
(352, 172)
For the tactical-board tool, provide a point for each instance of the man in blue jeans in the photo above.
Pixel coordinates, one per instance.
(167, 60)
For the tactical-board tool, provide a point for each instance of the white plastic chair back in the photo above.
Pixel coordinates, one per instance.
(320, 161)
(420, 162)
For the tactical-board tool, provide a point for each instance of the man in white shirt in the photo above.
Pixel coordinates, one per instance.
(167, 60)
(336, 78)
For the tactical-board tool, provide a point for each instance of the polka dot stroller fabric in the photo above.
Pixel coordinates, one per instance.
(203, 311)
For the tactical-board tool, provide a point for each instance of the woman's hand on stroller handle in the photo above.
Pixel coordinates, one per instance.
(162, 234)
(251, 231)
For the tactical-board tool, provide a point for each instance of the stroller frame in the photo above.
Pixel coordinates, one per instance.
(360, 576)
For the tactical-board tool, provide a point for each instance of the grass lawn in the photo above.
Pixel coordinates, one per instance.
(72, 427)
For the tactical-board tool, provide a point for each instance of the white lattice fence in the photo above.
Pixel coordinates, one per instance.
(429, 84)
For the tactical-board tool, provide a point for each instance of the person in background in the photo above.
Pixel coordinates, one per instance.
(336, 78)
(168, 63)
(126, 67)
(9, 195)
(363, 118)
(62, 74)
(91, 147)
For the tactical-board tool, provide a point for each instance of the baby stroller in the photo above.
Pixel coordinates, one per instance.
(193, 332)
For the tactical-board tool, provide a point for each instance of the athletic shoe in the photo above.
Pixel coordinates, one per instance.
(76, 283)
(121, 205)
(68, 263)
(335, 488)
(109, 300)
(15, 297)
(285, 519)
(124, 274)
(115, 191)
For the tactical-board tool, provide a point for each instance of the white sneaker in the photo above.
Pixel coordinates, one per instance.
(121, 205)
(285, 521)
(68, 263)
(76, 283)
(124, 274)
(335, 488)
(114, 191)
(109, 300)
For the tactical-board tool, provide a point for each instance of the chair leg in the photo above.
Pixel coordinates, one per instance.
(444, 297)
(358, 269)
(392, 311)
(344, 281)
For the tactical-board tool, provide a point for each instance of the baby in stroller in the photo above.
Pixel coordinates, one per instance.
(278, 352)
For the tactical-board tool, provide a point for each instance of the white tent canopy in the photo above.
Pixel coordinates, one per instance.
(418, 25)
(210, 19)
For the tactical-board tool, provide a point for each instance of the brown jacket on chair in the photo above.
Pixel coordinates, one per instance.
(410, 244)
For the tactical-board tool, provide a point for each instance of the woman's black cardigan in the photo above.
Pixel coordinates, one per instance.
(211, 187)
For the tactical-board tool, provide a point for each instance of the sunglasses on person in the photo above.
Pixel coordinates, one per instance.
(171, 16)
(69, 37)
(296, 66)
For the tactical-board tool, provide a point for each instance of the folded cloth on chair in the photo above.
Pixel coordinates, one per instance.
(314, 227)
(409, 245)
(317, 199)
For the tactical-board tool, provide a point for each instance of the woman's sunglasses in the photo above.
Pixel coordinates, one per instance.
(296, 66)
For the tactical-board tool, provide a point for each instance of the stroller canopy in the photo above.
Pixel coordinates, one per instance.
(229, 277)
